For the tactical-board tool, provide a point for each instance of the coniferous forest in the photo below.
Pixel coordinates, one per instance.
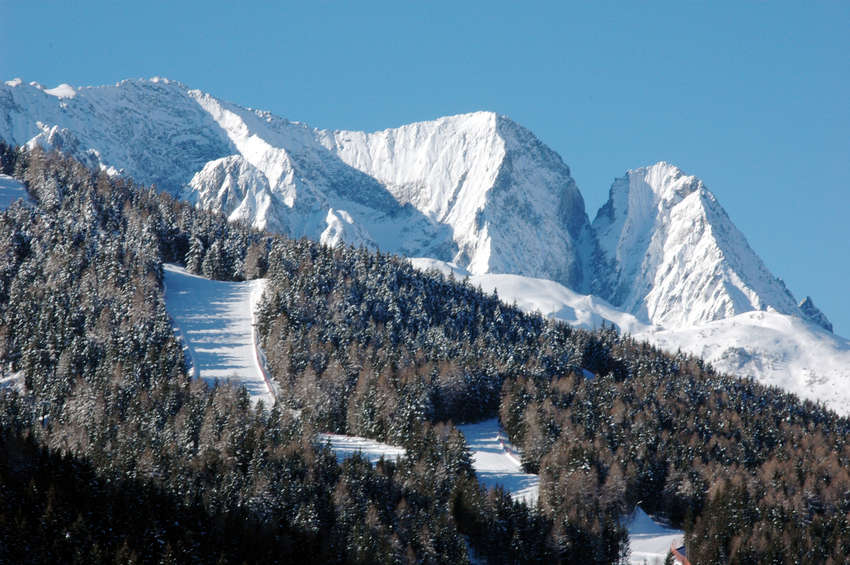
(112, 453)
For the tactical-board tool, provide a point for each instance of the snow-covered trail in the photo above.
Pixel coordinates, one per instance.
(496, 462)
(215, 320)
(649, 541)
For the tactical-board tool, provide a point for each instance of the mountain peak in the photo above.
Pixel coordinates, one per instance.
(813, 314)
(497, 186)
(675, 256)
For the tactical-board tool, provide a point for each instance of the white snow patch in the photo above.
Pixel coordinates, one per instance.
(62, 91)
(346, 446)
(11, 190)
(497, 463)
(13, 380)
(14, 82)
(215, 321)
(650, 541)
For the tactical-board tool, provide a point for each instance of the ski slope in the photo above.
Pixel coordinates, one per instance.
(215, 320)
(10, 190)
(649, 541)
(496, 462)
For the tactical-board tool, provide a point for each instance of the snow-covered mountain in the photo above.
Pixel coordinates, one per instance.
(675, 258)
(477, 189)
(661, 259)
(510, 200)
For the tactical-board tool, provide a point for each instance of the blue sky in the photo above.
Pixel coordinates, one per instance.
(752, 97)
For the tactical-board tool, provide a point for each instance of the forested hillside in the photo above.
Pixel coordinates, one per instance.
(110, 449)
(110, 421)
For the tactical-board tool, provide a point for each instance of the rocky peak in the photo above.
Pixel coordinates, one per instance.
(813, 314)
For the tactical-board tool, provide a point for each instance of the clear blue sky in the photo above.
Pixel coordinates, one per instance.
(753, 97)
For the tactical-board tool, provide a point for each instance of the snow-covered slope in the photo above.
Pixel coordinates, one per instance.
(775, 349)
(215, 321)
(650, 541)
(346, 446)
(675, 257)
(544, 296)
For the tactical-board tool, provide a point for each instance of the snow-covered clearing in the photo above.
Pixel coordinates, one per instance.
(346, 446)
(215, 320)
(650, 541)
(496, 462)
(10, 190)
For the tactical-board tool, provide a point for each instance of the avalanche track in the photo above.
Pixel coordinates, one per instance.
(215, 320)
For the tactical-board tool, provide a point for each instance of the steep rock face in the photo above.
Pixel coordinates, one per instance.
(674, 256)
(509, 200)
(234, 187)
(813, 314)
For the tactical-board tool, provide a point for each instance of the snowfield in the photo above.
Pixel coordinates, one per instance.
(497, 463)
(773, 348)
(215, 320)
(11, 190)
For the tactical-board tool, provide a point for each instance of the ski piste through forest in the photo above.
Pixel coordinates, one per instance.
(359, 343)
(215, 320)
